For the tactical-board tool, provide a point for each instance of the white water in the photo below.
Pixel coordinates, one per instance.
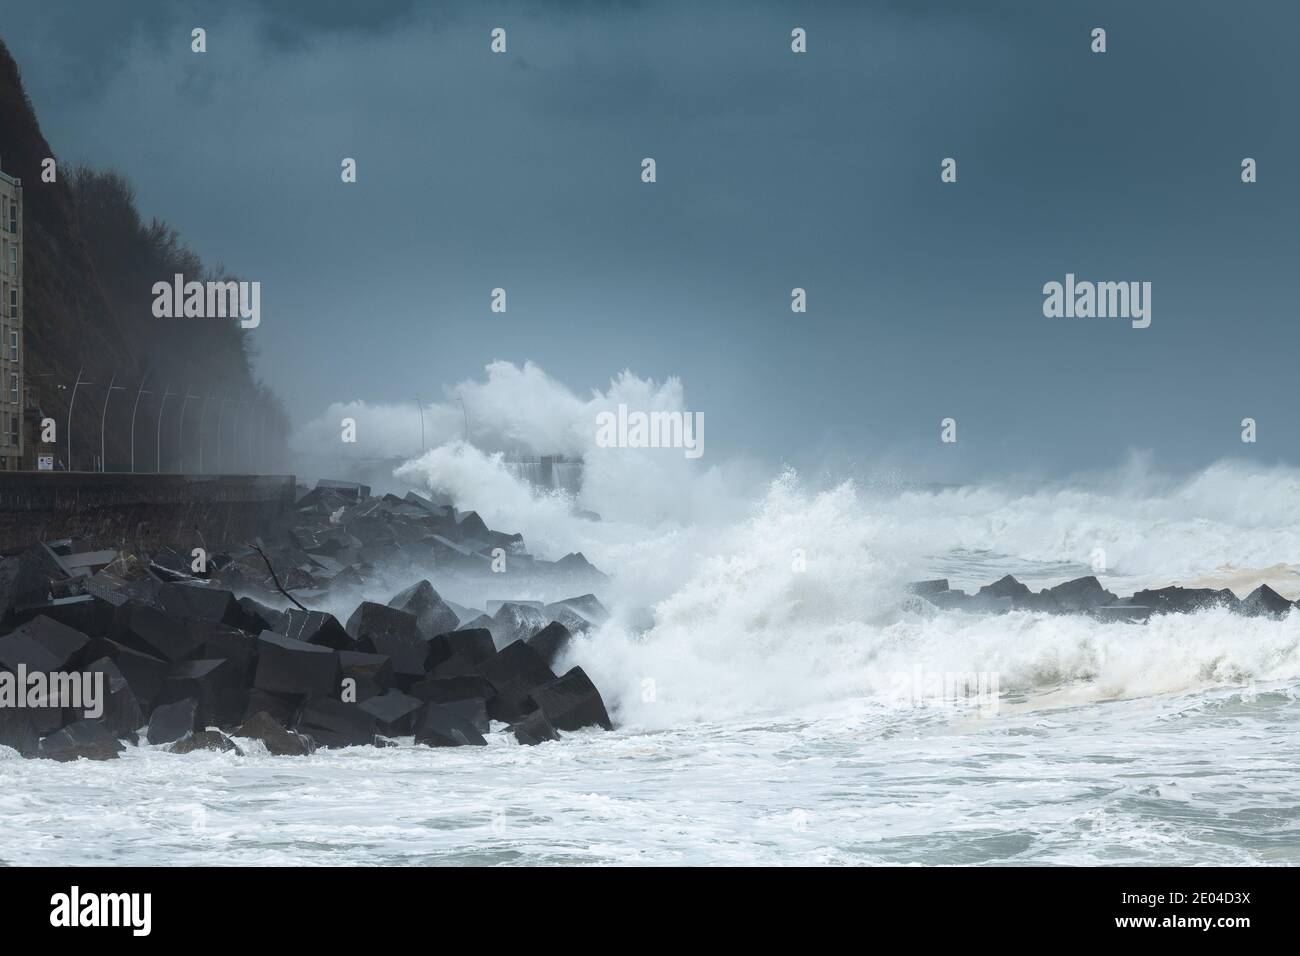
(760, 638)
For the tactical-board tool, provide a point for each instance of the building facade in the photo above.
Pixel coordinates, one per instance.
(11, 323)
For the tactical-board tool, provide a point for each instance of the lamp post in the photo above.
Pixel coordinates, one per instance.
(180, 434)
(103, 421)
(135, 408)
(162, 406)
(72, 398)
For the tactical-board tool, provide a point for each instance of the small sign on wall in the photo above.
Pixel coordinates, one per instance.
(45, 463)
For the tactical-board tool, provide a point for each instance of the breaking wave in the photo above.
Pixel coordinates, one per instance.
(735, 596)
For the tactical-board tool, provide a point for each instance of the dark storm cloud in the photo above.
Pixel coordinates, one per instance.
(775, 171)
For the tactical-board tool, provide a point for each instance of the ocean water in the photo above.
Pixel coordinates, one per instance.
(780, 699)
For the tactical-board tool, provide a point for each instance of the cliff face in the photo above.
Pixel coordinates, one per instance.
(90, 263)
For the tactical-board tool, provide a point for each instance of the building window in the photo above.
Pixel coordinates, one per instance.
(13, 344)
(13, 259)
(13, 217)
(13, 303)
(13, 387)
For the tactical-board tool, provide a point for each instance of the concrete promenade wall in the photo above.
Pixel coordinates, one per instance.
(133, 510)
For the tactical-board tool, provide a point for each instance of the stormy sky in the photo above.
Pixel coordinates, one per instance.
(775, 170)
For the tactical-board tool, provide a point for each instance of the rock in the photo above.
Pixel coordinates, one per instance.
(471, 645)
(144, 673)
(149, 630)
(84, 738)
(1264, 602)
(480, 623)
(205, 740)
(24, 580)
(533, 729)
(17, 649)
(315, 627)
(952, 600)
(572, 702)
(373, 673)
(217, 686)
(470, 527)
(1006, 586)
(18, 731)
(171, 722)
(1132, 613)
(464, 614)
(550, 642)
(370, 621)
(393, 712)
(278, 741)
(587, 606)
(435, 691)
(20, 651)
(473, 710)
(494, 606)
(409, 658)
(990, 604)
(204, 604)
(1081, 594)
(288, 666)
(332, 723)
(220, 641)
(115, 590)
(1044, 602)
(279, 707)
(1176, 600)
(576, 564)
(432, 615)
(436, 726)
(514, 621)
(262, 617)
(123, 714)
(514, 672)
(81, 612)
(925, 588)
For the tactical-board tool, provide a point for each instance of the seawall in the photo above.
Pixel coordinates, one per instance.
(148, 511)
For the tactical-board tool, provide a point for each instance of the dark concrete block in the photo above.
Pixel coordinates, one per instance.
(315, 627)
(216, 684)
(87, 739)
(572, 702)
(550, 642)
(288, 666)
(515, 672)
(331, 723)
(473, 644)
(432, 614)
(149, 630)
(393, 712)
(123, 714)
(534, 729)
(438, 727)
(278, 741)
(170, 722)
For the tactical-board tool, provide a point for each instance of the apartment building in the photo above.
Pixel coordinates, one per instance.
(11, 322)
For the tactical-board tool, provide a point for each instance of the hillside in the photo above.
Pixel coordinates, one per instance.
(90, 261)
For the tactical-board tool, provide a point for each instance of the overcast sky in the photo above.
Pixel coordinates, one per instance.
(775, 170)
